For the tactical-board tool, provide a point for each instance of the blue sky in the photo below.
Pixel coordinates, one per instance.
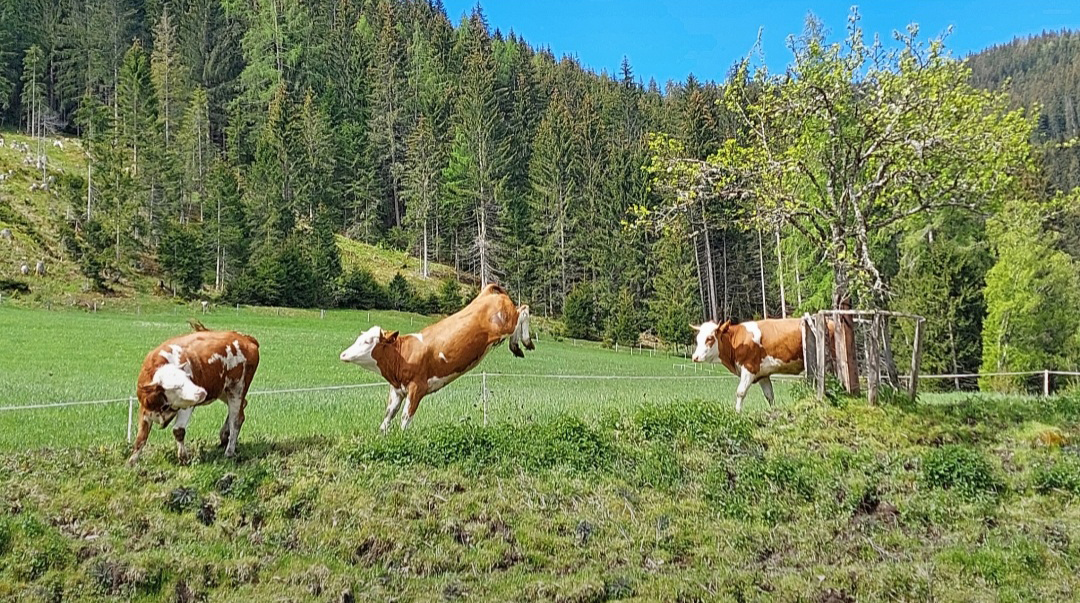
(668, 39)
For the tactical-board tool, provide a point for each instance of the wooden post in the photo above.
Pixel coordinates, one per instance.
(916, 359)
(822, 333)
(1046, 383)
(131, 411)
(890, 361)
(845, 352)
(873, 360)
(484, 395)
(809, 349)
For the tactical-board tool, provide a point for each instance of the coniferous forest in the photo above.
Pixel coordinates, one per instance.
(230, 142)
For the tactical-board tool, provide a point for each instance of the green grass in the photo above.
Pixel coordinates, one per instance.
(385, 263)
(576, 491)
(71, 355)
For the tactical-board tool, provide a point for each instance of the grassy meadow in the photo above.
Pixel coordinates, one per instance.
(73, 356)
(577, 491)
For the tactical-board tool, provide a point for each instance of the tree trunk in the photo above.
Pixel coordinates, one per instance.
(709, 263)
(847, 364)
(780, 274)
(761, 264)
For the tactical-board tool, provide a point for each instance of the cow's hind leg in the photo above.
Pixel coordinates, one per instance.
(766, 388)
(180, 431)
(140, 439)
(392, 406)
(745, 380)
(233, 422)
(416, 393)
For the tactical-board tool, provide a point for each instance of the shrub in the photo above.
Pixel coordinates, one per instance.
(579, 313)
(770, 489)
(400, 294)
(961, 469)
(698, 421)
(1062, 475)
(563, 442)
(359, 290)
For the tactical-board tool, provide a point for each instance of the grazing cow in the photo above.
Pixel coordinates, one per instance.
(423, 363)
(753, 351)
(192, 370)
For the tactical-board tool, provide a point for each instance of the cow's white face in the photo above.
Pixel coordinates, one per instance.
(361, 352)
(180, 390)
(708, 344)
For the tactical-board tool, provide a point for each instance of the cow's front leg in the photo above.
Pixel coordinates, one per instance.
(416, 392)
(233, 422)
(392, 406)
(180, 431)
(746, 378)
(766, 388)
(140, 439)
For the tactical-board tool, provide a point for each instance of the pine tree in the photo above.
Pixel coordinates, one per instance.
(315, 159)
(477, 159)
(554, 182)
(33, 91)
(672, 307)
(422, 179)
(170, 76)
(386, 123)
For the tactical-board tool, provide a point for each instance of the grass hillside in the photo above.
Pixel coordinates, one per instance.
(34, 216)
(642, 487)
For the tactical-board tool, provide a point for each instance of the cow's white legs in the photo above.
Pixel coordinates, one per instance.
(766, 388)
(746, 378)
(180, 431)
(397, 396)
(236, 407)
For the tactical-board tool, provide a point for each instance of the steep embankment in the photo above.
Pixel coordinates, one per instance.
(686, 502)
(33, 217)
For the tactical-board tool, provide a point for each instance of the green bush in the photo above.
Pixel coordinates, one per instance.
(1061, 475)
(580, 313)
(563, 442)
(702, 422)
(359, 290)
(658, 467)
(960, 468)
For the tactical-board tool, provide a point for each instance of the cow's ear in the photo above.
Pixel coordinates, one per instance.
(389, 337)
(151, 396)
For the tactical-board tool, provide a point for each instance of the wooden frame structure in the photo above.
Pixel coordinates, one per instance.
(825, 352)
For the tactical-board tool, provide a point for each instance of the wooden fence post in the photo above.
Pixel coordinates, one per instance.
(1046, 383)
(916, 359)
(484, 395)
(873, 360)
(131, 411)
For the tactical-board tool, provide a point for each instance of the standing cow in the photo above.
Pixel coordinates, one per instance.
(192, 370)
(423, 363)
(753, 351)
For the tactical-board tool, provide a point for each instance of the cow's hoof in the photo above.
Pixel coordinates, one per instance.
(230, 454)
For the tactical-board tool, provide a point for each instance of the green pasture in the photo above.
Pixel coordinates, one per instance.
(70, 355)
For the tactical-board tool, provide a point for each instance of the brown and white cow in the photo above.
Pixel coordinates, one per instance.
(423, 363)
(753, 351)
(192, 370)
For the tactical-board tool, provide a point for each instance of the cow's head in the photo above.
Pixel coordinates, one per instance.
(708, 340)
(171, 388)
(363, 350)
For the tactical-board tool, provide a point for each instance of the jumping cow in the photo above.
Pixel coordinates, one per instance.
(192, 370)
(423, 363)
(753, 351)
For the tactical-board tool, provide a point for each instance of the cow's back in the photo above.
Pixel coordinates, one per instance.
(456, 343)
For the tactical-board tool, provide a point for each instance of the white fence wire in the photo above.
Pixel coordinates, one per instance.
(1046, 374)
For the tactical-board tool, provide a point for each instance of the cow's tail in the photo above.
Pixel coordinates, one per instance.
(521, 335)
(196, 325)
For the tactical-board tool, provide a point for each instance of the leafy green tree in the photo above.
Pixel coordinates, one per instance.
(1032, 299)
